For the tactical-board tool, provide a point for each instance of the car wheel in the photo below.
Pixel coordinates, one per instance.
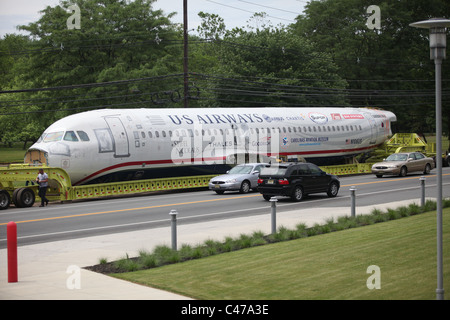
(427, 169)
(333, 190)
(297, 194)
(403, 172)
(245, 187)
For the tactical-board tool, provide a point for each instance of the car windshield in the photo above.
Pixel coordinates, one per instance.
(273, 171)
(241, 170)
(397, 157)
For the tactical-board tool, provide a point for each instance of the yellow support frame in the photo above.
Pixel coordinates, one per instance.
(16, 176)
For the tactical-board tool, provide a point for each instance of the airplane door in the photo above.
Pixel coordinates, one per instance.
(121, 144)
(373, 128)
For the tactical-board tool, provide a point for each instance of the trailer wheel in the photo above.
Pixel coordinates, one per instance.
(24, 197)
(5, 199)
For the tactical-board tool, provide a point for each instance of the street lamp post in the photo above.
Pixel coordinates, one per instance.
(437, 27)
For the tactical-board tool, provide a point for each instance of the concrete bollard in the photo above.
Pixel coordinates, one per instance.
(422, 187)
(273, 205)
(353, 197)
(173, 215)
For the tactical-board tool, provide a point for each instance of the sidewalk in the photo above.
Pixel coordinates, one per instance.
(46, 271)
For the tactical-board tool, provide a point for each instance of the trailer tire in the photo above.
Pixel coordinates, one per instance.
(5, 199)
(14, 197)
(24, 197)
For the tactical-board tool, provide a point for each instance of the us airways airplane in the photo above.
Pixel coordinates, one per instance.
(126, 144)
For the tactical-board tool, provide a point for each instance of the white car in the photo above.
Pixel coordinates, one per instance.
(242, 178)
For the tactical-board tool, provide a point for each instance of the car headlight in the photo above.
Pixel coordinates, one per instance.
(231, 181)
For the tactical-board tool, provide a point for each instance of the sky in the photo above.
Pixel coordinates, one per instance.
(235, 13)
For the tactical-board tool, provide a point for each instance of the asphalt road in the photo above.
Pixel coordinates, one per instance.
(62, 221)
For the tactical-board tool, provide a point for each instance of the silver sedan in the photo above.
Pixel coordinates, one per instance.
(402, 163)
(242, 178)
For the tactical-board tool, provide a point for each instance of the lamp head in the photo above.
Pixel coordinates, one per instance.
(438, 36)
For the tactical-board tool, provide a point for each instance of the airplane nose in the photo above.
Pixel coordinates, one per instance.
(36, 156)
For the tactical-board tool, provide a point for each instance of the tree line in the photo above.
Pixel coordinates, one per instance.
(129, 54)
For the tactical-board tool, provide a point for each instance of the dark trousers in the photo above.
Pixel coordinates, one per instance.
(42, 192)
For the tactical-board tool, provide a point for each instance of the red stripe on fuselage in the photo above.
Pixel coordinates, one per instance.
(174, 162)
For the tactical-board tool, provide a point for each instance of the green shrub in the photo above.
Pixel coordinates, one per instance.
(127, 264)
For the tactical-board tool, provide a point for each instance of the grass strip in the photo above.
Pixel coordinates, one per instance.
(330, 266)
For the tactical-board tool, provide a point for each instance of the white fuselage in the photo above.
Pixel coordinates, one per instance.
(92, 144)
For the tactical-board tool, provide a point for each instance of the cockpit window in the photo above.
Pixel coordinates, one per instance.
(70, 136)
(54, 136)
(83, 136)
(41, 138)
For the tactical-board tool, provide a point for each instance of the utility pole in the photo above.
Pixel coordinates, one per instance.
(185, 60)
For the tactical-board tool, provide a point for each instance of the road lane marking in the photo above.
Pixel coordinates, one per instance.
(130, 209)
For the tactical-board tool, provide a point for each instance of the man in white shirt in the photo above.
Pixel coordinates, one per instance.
(42, 180)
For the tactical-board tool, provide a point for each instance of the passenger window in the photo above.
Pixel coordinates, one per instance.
(303, 169)
(70, 136)
(83, 136)
(314, 169)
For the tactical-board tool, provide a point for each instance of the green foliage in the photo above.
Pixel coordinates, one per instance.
(396, 57)
(129, 54)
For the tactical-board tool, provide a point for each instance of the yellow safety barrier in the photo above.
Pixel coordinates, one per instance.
(138, 186)
(357, 168)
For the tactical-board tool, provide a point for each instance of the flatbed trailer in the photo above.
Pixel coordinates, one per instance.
(18, 186)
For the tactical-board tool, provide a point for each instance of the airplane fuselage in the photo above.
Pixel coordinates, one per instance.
(94, 145)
